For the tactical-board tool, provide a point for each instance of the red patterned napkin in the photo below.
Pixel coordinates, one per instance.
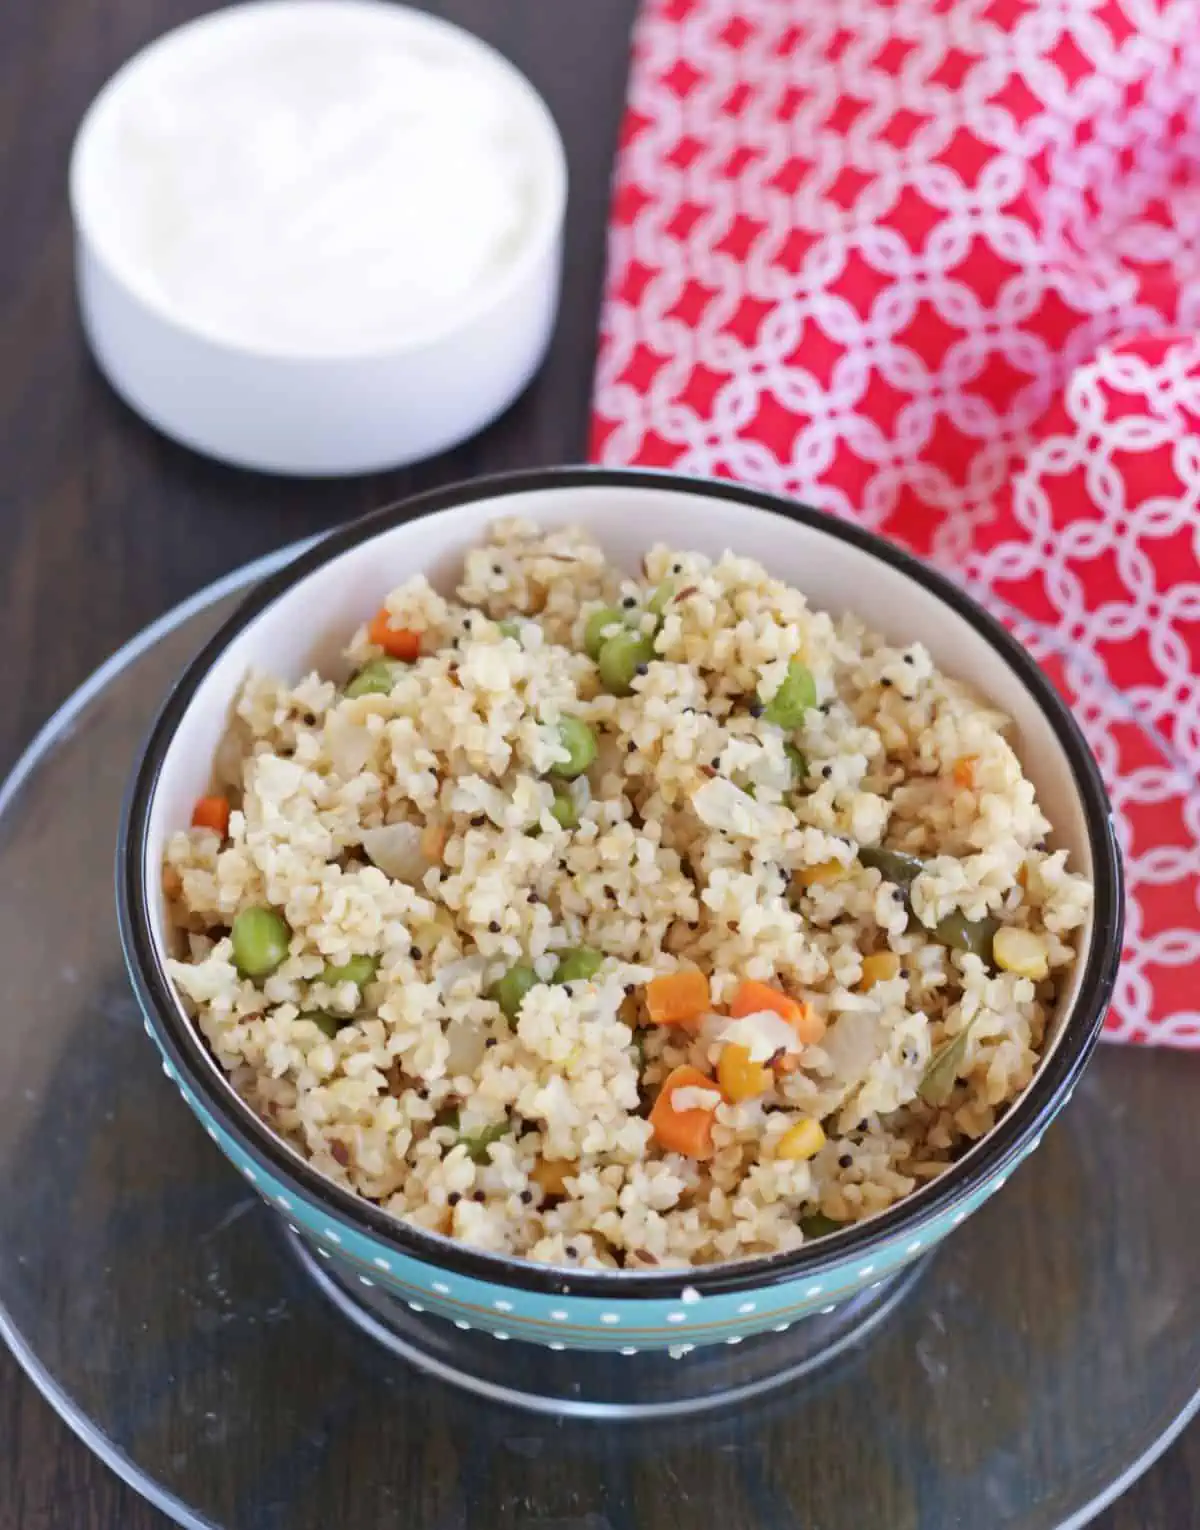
(934, 265)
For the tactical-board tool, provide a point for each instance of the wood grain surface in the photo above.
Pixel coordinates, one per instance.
(106, 524)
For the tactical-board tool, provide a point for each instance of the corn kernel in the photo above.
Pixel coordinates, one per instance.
(803, 1140)
(1021, 951)
(879, 967)
(826, 871)
(739, 1076)
(550, 1175)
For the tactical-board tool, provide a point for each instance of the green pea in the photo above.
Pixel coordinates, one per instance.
(477, 1144)
(894, 865)
(797, 761)
(359, 969)
(509, 628)
(938, 1080)
(376, 678)
(580, 743)
(797, 695)
(659, 601)
(324, 1021)
(620, 659)
(577, 965)
(599, 625)
(511, 989)
(563, 810)
(963, 934)
(818, 1225)
(260, 941)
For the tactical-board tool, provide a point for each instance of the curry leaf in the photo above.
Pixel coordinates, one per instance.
(938, 1080)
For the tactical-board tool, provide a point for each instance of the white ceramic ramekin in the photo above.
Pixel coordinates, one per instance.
(329, 413)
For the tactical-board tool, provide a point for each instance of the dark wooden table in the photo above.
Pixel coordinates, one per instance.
(106, 524)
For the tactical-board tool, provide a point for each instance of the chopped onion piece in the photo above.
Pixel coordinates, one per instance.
(466, 1044)
(719, 804)
(348, 742)
(763, 1034)
(455, 972)
(852, 1043)
(396, 850)
(692, 1097)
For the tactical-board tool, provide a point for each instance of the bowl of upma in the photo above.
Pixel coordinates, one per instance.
(619, 911)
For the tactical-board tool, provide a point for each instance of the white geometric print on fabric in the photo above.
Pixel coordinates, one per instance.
(934, 266)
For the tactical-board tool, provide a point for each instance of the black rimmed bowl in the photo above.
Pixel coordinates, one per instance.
(839, 568)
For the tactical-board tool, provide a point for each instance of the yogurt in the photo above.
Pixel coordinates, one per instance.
(327, 188)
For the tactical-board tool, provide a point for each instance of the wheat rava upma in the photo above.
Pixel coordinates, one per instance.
(622, 922)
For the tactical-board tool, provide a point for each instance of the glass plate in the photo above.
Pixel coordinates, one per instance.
(1042, 1360)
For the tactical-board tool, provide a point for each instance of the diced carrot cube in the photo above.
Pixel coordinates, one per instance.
(396, 642)
(212, 813)
(678, 998)
(964, 771)
(684, 1131)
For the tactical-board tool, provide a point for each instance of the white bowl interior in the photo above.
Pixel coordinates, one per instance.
(308, 626)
